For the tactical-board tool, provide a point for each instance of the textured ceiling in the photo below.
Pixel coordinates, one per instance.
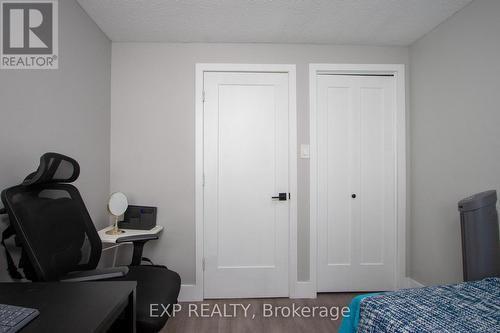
(364, 22)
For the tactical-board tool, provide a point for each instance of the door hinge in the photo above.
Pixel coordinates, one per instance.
(203, 264)
(203, 181)
(203, 96)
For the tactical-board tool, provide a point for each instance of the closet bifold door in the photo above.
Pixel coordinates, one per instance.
(356, 183)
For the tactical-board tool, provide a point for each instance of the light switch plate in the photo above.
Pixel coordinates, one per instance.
(304, 151)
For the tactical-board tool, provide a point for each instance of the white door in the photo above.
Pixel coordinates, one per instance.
(356, 183)
(245, 165)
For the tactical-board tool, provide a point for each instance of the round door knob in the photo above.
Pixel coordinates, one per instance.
(353, 196)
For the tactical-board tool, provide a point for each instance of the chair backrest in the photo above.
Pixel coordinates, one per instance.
(51, 220)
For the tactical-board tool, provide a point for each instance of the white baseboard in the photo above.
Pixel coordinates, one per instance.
(410, 283)
(190, 293)
(304, 289)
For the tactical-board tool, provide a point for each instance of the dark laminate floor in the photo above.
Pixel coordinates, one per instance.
(186, 321)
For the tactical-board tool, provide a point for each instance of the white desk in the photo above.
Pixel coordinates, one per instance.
(105, 238)
(111, 239)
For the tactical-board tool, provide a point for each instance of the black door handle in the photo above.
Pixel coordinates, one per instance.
(353, 195)
(280, 197)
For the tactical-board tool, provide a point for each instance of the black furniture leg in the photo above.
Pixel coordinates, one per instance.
(130, 319)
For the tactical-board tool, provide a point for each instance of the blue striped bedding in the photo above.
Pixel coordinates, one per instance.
(465, 307)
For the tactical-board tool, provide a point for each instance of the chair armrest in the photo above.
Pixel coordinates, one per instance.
(138, 241)
(136, 238)
(96, 274)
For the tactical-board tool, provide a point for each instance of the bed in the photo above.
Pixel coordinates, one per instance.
(465, 307)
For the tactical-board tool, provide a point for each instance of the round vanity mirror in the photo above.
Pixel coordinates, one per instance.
(117, 205)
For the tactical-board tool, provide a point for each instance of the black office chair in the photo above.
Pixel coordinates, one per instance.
(61, 243)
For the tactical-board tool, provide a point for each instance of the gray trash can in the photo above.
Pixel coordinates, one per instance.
(480, 237)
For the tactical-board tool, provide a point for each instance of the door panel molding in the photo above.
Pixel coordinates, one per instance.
(197, 289)
(316, 190)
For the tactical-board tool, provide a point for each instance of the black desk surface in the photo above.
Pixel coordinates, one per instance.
(69, 306)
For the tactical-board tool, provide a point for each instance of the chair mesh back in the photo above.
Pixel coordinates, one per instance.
(52, 222)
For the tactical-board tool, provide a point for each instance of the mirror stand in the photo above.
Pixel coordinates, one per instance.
(115, 230)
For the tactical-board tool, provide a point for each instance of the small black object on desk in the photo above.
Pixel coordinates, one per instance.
(74, 307)
(139, 217)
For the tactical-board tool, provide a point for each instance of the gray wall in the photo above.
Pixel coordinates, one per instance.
(152, 133)
(455, 133)
(65, 110)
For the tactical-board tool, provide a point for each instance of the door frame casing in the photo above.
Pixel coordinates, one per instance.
(398, 71)
(196, 291)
